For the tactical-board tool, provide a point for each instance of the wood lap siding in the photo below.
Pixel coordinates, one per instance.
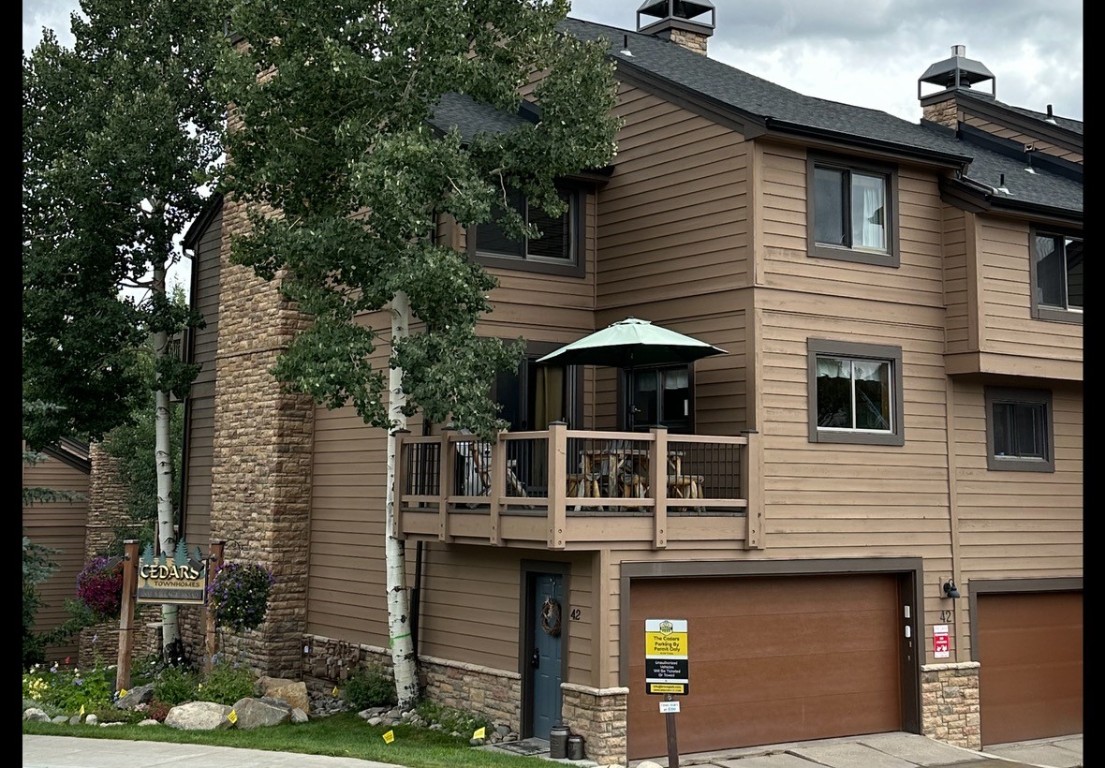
(347, 595)
(841, 500)
(1005, 250)
(1042, 145)
(1019, 524)
(957, 286)
(201, 397)
(673, 218)
(59, 526)
(919, 279)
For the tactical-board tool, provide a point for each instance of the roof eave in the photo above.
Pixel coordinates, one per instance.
(978, 198)
(776, 126)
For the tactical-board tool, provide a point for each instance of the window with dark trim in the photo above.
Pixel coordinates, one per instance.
(1057, 282)
(559, 250)
(1019, 430)
(855, 393)
(852, 210)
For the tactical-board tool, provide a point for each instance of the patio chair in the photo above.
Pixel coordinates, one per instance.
(477, 469)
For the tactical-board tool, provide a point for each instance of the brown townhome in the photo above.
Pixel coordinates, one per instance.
(866, 514)
(60, 524)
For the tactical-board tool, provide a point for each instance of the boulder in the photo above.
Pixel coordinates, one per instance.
(34, 713)
(141, 694)
(255, 713)
(199, 716)
(290, 691)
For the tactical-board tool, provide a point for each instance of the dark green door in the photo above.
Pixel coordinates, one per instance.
(546, 599)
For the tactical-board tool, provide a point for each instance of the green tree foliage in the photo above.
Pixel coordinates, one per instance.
(119, 134)
(344, 178)
(336, 137)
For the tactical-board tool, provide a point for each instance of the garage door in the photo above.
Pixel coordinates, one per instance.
(771, 659)
(1030, 665)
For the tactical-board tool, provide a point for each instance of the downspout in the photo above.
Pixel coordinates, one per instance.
(416, 594)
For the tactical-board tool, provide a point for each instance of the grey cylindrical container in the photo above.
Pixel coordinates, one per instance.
(558, 741)
(575, 747)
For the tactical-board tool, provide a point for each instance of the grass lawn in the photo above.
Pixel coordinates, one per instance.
(340, 735)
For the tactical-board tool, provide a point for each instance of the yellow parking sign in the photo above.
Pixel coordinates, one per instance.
(667, 663)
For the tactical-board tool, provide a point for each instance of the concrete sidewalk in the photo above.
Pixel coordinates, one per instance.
(883, 750)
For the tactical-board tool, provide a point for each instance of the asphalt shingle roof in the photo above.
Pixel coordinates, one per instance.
(775, 106)
(758, 98)
(471, 117)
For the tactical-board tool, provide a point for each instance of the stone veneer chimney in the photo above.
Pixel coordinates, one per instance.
(262, 446)
(952, 75)
(676, 21)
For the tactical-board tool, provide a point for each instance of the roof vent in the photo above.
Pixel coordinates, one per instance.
(677, 21)
(957, 72)
(1050, 117)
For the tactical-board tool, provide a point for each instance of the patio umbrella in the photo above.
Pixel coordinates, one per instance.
(630, 343)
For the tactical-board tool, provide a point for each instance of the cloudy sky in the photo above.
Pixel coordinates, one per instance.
(864, 52)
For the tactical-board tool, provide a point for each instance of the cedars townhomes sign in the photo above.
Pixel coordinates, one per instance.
(180, 579)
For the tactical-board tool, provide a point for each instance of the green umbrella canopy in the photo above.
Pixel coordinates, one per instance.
(631, 343)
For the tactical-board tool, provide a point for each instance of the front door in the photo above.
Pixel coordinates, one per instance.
(544, 610)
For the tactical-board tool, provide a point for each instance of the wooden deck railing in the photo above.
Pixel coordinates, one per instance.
(579, 489)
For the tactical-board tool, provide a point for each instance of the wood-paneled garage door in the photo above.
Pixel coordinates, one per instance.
(1030, 665)
(771, 659)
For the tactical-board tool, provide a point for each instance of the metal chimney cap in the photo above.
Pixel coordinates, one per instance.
(957, 72)
(676, 9)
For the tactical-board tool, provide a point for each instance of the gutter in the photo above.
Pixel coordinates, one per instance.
(783, 126)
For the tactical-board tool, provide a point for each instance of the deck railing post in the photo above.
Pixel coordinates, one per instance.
(447, 468)
(498, 488)
(558, 483)
(658, 482)
(400, 472)
(752, 468)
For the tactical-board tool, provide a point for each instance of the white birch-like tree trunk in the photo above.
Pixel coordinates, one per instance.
(403, 660)
(166, 535)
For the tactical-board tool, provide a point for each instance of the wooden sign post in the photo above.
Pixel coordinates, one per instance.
(126, 614)
(211, 645)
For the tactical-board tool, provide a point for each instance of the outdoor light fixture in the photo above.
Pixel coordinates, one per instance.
(950, 590)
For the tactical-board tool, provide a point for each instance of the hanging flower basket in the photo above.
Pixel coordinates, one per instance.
(239, 595)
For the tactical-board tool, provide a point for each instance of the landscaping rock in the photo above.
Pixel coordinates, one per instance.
(299, 716)
(199, 716)
(255, 713)
(294, 693)
(142, 694)
(91, 719)
(35, 714)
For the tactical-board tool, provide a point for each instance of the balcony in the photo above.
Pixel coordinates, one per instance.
(564, 489)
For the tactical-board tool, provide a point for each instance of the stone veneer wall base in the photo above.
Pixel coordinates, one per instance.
(950, 710)
(600, 716)
(492, 693)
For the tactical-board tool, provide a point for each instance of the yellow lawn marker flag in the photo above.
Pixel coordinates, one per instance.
(82, 709)
(389, 737)
(233, 716)
(122, 692)
(479, 733)
(335, 691)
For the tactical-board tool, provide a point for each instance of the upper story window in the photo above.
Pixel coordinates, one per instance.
(1056, 276)
(855, 393)
(1018, 430)
(851, 211)
(559, 250)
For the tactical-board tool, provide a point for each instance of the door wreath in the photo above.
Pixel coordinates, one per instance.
(550, 617)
